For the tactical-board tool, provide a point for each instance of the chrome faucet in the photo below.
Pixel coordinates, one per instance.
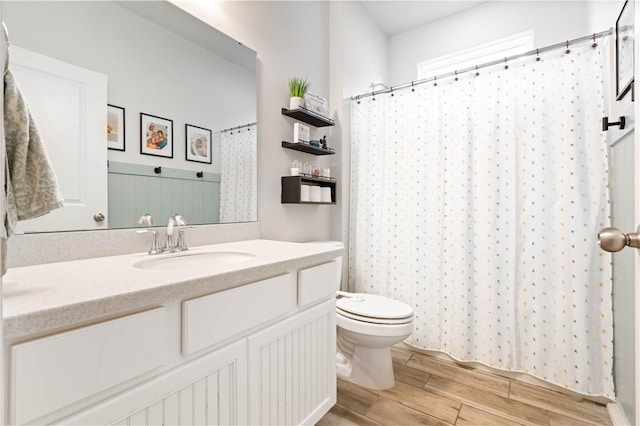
(176, 221)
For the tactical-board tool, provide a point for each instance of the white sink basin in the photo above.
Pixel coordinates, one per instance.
(194, 261)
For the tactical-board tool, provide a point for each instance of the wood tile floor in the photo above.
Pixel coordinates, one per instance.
(431, 391)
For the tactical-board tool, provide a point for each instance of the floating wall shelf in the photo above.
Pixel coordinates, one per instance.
(309, 149)
(308, 117)
(291, 189)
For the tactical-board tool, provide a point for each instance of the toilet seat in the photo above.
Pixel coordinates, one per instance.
(374, 309)
(374, 320)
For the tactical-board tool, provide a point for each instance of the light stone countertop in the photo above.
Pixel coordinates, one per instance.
(46, 298)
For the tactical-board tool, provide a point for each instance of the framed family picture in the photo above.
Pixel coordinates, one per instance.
(624, 49)
(115, 128)
(156, 136)
(198, 144)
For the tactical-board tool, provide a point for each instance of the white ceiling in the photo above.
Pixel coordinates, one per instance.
(395, 17)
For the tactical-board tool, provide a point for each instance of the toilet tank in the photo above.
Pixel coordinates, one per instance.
(337, 244)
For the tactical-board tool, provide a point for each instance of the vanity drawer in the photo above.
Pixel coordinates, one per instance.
(50, 373)
(317, 283)
(214, 318)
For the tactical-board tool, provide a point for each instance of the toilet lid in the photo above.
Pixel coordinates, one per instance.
(374, 308)
(362, 318)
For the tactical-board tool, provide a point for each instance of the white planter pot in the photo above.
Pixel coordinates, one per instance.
(296, 102)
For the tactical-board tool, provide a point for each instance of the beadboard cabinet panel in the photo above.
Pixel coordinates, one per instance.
(207, 391)
(292, 367)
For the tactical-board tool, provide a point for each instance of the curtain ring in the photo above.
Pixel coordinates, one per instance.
(456, 74)
(391, 89)
(537, 55)
(477, 72)
(567, 51)
(594, 45)
(506, 66)
(435, 80)
(413, 89)
(358, 99)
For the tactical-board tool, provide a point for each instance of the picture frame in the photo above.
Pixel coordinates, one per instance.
(625, 49)
(317, 104)
(156, 136)
(115, 128)
(197, 144)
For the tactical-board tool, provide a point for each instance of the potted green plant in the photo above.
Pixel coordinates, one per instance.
(297, 89)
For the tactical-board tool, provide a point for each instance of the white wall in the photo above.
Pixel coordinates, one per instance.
(291, 39)
(552, 22)
(359, 58)
(603, 14)
(365, 51)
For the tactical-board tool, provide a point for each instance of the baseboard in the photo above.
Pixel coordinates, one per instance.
(618, 417)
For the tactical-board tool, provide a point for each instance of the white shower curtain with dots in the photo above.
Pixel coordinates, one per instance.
(238, 180)
(478, 202)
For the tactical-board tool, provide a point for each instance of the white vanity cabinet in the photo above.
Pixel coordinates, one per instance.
(260, 353)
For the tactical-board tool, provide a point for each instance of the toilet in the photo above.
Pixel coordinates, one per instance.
(368, 325)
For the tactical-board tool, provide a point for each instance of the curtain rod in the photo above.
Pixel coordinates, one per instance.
(412, 84)
(238, 127)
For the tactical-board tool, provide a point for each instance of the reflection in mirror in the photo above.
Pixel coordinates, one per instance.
(181, 115)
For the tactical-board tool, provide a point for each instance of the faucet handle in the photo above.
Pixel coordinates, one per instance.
(155, 245)
(146, 219)
(179, 220)
(182, 241)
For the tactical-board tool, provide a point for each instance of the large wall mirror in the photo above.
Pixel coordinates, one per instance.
(143, 109)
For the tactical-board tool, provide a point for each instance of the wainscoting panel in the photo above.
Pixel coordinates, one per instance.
(136, 189)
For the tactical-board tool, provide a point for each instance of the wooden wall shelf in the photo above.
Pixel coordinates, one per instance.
(308, 117)
(309, 149)
(291, 189)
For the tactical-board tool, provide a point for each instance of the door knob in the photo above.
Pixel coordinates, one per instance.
(613, 239)
(98, 217)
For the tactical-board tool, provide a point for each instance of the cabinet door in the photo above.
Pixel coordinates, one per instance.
(292, 368)
(208, 391)
(50, 376)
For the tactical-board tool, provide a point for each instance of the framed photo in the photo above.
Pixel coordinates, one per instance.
(156, 136)
(198, 143)
(115, 128)
(624, 49)
(316, 103)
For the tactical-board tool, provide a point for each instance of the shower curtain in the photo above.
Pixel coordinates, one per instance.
(478, 202)
(238, 180)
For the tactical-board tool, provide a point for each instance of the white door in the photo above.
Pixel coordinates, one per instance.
(69, 106)
(623, 178)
